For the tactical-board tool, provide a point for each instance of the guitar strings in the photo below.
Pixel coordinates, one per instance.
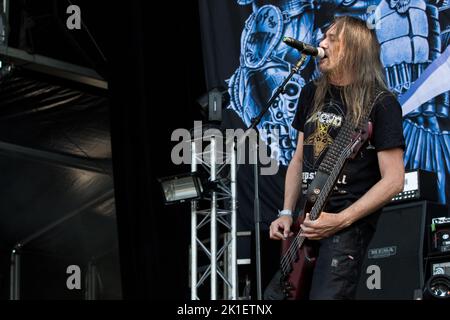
(290, 256)
(291, 253)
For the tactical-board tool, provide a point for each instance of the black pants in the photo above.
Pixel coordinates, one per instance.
(338, 266)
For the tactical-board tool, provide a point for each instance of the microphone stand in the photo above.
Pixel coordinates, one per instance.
(254, 123)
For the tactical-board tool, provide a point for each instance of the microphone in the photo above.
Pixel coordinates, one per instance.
(304, 48)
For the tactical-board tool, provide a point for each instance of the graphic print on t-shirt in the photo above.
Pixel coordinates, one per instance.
(321, 129)
(319, 139)
(323, 121)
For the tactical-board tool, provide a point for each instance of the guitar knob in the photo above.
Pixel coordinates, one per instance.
(288, 285)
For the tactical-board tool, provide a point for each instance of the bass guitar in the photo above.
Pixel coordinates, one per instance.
(293, 279)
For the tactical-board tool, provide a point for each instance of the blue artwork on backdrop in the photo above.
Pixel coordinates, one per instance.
(412, 33)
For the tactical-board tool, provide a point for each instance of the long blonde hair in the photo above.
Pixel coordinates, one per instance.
(361, 58)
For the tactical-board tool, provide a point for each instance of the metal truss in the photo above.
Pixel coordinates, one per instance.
(218, 214)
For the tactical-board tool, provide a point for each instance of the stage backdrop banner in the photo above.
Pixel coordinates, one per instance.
(245, 55)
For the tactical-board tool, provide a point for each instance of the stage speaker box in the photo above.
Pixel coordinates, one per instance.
(393, 267)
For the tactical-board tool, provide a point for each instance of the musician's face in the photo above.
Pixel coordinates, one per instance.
(332, 44)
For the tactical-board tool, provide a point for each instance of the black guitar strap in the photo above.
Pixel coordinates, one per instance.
(345, 135)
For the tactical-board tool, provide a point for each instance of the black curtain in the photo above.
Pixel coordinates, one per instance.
(156, 74)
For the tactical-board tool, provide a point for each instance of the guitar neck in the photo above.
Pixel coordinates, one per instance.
(327, 188)
(332, 165)
(329, 170)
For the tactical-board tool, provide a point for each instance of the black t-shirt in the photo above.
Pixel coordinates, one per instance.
(320, 130)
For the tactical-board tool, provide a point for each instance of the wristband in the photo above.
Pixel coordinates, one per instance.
(285, 212)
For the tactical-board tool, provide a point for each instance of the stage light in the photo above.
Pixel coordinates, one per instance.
(437, 287)
(182, 187)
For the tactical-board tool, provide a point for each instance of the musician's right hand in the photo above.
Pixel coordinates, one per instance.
(280, 229)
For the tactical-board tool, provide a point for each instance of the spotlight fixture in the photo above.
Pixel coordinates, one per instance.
(189, 186)
(180, 188)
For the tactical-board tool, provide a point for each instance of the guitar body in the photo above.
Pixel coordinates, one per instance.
(300, 278)
(296, 284)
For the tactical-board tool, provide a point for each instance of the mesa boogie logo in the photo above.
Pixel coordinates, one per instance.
(384, 252)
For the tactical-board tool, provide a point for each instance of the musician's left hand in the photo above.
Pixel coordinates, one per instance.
(326, 225)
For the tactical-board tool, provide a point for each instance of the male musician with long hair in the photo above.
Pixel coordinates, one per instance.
(351, 81)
